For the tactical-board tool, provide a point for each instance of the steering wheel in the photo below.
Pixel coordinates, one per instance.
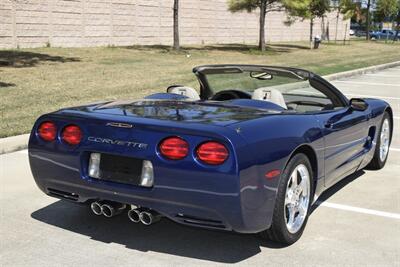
(230, 94)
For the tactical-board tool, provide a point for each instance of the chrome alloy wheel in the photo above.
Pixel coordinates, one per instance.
(385, 139)
(297, 198)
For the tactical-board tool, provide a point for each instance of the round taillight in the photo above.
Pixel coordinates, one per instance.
(72, 135)
(48, 131)
(174, 148)
(212, 153)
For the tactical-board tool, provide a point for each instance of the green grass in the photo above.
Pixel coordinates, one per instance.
(37, 81)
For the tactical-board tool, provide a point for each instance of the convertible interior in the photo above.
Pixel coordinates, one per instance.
(289, 89)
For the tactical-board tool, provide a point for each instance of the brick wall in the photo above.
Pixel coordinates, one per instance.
(77, 23)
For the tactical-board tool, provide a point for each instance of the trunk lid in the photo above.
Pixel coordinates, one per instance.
(196, 112)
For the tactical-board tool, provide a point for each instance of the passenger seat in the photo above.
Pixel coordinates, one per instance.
(269, 94)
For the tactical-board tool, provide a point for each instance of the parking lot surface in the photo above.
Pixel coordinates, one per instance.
(357, 222)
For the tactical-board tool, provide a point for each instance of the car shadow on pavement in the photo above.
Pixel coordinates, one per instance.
(164, 236)
(335, 188)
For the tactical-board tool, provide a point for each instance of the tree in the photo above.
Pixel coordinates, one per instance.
(314, 9)
(176, 25)
(265, 6)
(386, 9)
(397, 22)
(363, 14)
(347, 8)
(368, 10)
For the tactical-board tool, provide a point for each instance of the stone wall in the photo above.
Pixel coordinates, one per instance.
(78, 23)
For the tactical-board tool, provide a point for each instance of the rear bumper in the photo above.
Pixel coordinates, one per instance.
(195, 204)
(175, 209)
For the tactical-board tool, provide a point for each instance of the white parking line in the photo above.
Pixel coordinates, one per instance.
(357, 95)
(374, 96)
(382, 75)
(394, 149)
(359, 210)
(367, 83)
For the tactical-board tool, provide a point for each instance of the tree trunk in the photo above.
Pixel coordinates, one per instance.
(261, 38)
(327, 32)
(396, 36)
(368, 18)
(176, 25)
(337, 23)
(311, 32)
(397, 31)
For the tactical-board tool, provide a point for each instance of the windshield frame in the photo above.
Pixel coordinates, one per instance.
(324, 86)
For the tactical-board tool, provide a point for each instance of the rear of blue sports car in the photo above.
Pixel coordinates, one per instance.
(182, 160)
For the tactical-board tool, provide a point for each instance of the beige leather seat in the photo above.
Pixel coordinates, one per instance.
(184, 90)
(269, 94)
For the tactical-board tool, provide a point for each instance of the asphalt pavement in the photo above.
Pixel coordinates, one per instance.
(357, 222)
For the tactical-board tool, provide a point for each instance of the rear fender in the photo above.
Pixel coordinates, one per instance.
(271, 142)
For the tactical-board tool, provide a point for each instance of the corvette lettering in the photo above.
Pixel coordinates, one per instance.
(117, 142)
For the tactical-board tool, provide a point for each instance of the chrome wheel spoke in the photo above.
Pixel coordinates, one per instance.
(294, 178)
(302, 209)
(292, 213)
(304, 187)
(288, 200)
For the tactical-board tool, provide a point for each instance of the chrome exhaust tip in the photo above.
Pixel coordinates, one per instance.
(96, 208)
(149, 217)
(110, 209)
(107, 210)
(134, 215)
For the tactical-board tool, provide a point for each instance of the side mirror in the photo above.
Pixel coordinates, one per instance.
(358, 104)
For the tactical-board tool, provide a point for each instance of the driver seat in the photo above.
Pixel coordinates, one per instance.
(184, 90)
(269, 94)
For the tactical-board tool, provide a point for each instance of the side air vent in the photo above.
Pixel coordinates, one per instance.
(370, 137)
(63, 194)
(200, 221)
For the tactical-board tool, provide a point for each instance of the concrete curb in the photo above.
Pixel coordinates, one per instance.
(361, 71)
(19, 142)
(13, 143)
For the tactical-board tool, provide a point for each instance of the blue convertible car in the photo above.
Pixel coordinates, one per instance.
(249, 153)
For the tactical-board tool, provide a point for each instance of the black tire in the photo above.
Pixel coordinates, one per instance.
(376, 163)
(278, 231)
